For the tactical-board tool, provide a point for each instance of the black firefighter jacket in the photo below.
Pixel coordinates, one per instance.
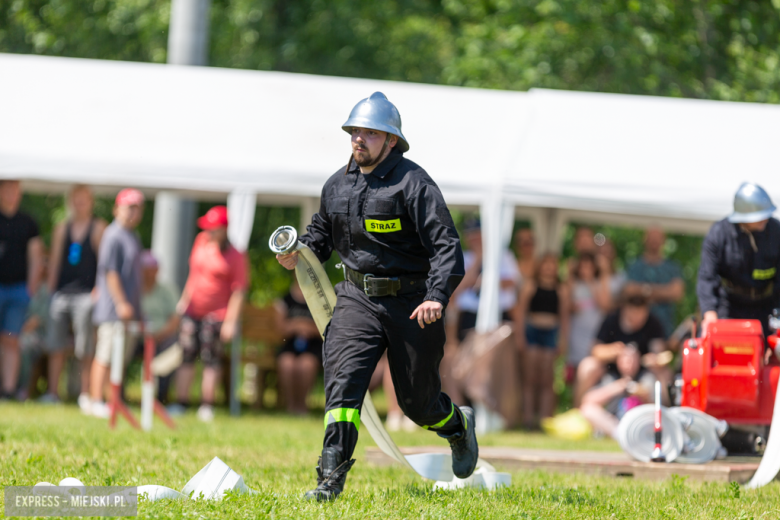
(390, 222)
(733, 275)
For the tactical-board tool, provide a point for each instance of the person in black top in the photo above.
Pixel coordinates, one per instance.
(21, 261)
(739, 274)
(632, 324)
(300, 357)
(542, 324)
(388, 221)
(71, 283)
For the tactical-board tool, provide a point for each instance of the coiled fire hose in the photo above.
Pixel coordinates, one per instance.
(321, 299)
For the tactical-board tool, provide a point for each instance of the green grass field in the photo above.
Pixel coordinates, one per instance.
(276, 455)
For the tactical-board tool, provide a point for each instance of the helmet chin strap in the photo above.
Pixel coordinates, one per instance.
(382, 151)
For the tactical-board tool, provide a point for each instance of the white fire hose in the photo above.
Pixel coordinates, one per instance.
(321, 299)
(770, 463)
(689, 435)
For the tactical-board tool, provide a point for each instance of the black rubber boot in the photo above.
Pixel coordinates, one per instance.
(331, 476)
(465, 450)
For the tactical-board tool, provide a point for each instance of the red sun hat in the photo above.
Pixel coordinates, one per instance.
(214, 218)
(129, 197)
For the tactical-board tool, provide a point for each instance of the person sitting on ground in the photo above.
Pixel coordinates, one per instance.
(21, 256)
(118, 286)
(591, 300)
(542, 324)
(211, 306)
(71, 281)
(622, 388)
(631, 323)
(300, 357)
(158, 305)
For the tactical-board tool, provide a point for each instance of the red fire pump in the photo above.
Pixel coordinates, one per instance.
(724, 374)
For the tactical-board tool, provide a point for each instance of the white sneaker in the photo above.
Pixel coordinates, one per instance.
(205, 413)
(100, 409)
(85, 403)
(393, 422)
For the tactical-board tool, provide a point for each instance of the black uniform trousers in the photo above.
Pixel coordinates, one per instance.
(357, 336)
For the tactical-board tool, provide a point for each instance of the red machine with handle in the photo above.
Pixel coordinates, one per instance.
(724, 373)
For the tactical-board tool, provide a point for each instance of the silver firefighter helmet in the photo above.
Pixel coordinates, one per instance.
(377, 113)
(751, 204)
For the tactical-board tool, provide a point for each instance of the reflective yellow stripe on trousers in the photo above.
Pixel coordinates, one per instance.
(444, 421)
(343, 415)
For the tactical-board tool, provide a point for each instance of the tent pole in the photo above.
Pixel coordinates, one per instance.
(188, 32)
(174, 216)
(173, 229)
(173, 232)
(549, 225)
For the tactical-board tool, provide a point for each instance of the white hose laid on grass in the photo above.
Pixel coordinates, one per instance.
(770, 462)
(321, 299)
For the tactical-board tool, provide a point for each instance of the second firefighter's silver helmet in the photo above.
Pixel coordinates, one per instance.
(377, 113)
(751, 204)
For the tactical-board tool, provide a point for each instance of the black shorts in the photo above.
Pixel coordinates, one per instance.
(298, 346)
(200, 338)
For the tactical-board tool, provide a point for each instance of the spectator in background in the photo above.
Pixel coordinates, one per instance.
(21, 259)
(118, 286)
(622, 388)
(525, 248)
(606, 258)
(466, 295)
(71, 282)
(543, 330)
(591, 301)
(584, 241)
(158, 307)
(211, 305)
(631, 324)
(300, 358)
(32, 340)
(657, 279)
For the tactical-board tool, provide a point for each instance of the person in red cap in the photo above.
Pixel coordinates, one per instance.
(211, 306)
(118, 290)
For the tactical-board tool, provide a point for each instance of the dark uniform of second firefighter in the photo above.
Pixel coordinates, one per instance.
(739, 275)
(399, 247)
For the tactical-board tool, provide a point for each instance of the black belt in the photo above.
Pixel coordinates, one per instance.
(375, 286)
(750, 293)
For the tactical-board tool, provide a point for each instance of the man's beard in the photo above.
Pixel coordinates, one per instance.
(363, 158)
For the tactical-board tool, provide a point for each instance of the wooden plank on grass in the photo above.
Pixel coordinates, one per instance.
(611, 464)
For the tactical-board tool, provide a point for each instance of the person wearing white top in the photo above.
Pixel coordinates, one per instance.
(467, 293)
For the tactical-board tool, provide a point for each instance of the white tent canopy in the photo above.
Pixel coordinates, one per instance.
(194, 129)
(216, 130)
(555, 156)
